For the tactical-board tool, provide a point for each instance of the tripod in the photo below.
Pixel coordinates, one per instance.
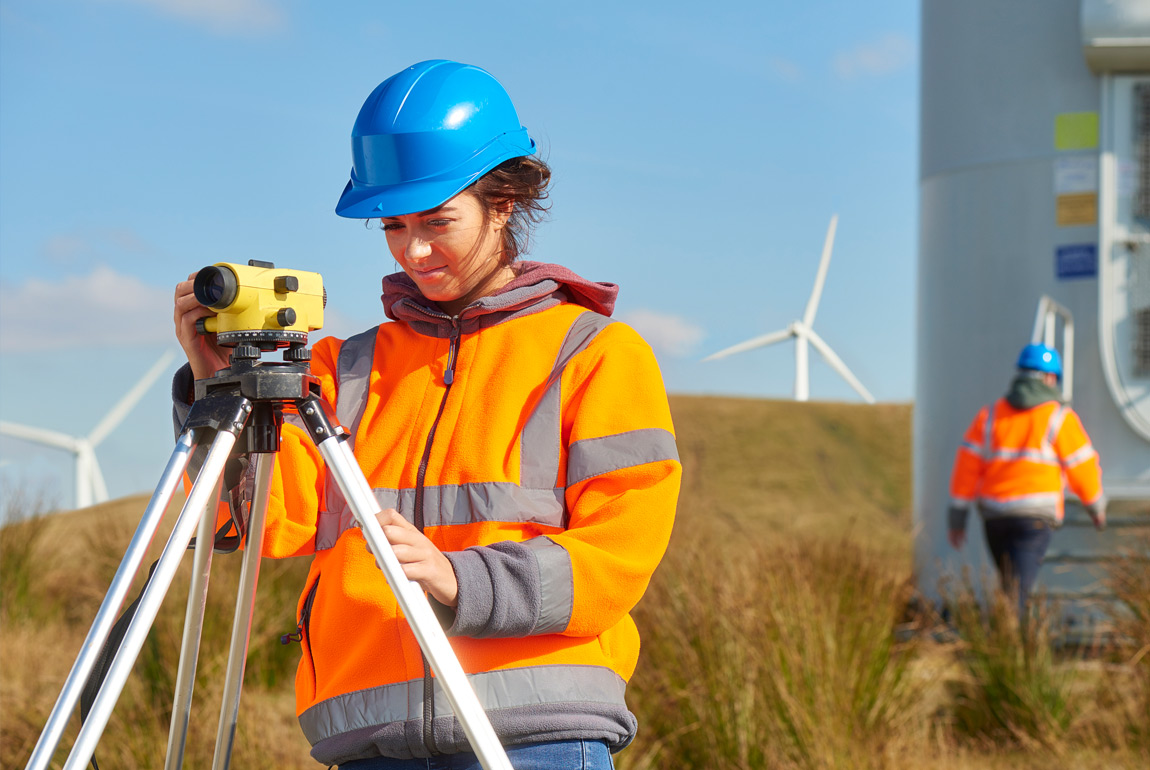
(246, 400)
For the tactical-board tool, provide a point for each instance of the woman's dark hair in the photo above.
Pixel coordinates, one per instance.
(520, 183)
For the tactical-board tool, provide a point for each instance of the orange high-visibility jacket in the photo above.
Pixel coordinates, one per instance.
(531, 439)
(1014, 462)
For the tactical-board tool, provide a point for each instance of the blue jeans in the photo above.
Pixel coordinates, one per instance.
(1018, 545)
(554, 755)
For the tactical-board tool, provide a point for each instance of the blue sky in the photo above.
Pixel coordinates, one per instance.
(699, 151)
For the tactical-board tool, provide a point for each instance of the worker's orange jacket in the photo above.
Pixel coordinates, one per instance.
(530, 438)
(1014, 462)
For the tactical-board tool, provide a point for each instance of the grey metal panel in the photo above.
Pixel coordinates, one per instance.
(1116, 35)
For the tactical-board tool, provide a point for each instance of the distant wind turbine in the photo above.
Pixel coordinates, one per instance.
(803, 334)
(90, 487)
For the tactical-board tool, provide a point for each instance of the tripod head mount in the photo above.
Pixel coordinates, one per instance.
(249, 398)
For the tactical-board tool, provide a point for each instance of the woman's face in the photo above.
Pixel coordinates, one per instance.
(453, 256)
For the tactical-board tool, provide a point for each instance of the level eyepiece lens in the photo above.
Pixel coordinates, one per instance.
(215, 287)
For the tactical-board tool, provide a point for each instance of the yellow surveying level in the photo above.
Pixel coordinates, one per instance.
(259, 304)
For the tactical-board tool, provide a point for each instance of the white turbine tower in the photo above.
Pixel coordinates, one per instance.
(90, 487)
(803, 334)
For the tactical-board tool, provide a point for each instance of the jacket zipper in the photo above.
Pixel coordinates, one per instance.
(448, 379)
(303, 628)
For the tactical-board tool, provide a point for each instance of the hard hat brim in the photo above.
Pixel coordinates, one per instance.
(361, 201)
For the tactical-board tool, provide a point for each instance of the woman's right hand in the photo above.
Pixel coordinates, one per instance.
(204, 354)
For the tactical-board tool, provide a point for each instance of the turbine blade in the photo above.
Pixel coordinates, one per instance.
(41, 436)
(125, 404)
(837, 364)
(821, 276)
(751, 344)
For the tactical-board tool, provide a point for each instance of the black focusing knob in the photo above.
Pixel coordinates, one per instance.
(285, 283)
(285, 317)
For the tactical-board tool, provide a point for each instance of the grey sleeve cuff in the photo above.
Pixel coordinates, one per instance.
(956, 517)
(511, 589)
(182, 396)
(1097, 509)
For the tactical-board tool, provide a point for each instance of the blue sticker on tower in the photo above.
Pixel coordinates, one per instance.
(1076, 261)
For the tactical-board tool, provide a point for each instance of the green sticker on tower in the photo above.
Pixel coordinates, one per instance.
(1076, 131)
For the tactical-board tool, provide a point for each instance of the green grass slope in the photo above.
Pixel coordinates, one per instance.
(770, 468)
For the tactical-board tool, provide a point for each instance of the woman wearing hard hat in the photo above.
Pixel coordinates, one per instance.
(519, 438)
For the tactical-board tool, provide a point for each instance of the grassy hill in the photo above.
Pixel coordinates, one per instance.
(770, 468)
(768, 629)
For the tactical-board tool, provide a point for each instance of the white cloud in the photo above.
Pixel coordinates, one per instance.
(102, 308)
(78, 249)
(665, 333)
(221, 16)
(888, 54)
(785, 69)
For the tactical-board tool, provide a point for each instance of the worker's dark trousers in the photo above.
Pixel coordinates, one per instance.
(1018, 545)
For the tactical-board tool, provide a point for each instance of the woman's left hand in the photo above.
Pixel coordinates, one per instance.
(422, 562)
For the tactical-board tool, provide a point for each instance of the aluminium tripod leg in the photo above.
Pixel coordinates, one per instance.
(245, 604)
(113, 600)
(190, 646)
(432, 640)
(204, 487)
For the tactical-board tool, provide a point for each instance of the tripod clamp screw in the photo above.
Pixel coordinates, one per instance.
(316, 416)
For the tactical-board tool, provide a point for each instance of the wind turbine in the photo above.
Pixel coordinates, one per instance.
(90, 487)
(803, 334)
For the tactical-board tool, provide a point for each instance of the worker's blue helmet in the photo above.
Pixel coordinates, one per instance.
(424, 135)
(1040, 358)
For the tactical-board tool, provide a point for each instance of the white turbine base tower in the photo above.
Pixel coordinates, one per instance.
(89, 481)
(804, 336)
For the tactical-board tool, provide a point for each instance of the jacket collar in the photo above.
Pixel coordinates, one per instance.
(1028, 391)
(536, 287)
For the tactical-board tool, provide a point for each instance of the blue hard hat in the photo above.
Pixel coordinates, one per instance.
(1040, 358)
(424, 135)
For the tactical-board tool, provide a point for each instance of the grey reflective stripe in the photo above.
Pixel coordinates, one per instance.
(1042, 456)
(498, 501)
(960, 502)
(540, 441)
(1036, 500)
(556, 585)
(353, 377)
(1054, 426)
(987, 432)
(1080, 456)
(505, 689)
(595, 456)
(335, 520)
(971, 447)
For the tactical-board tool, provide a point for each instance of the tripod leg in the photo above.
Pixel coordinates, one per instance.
(193, 629)
(245, 604)
(203, 488)
(449, 674)
(113, 600)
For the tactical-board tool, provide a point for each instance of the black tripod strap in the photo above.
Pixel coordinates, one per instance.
(108, 653)
(116, 635)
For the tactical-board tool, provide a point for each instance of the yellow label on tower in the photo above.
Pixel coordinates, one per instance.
(1077, 209)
